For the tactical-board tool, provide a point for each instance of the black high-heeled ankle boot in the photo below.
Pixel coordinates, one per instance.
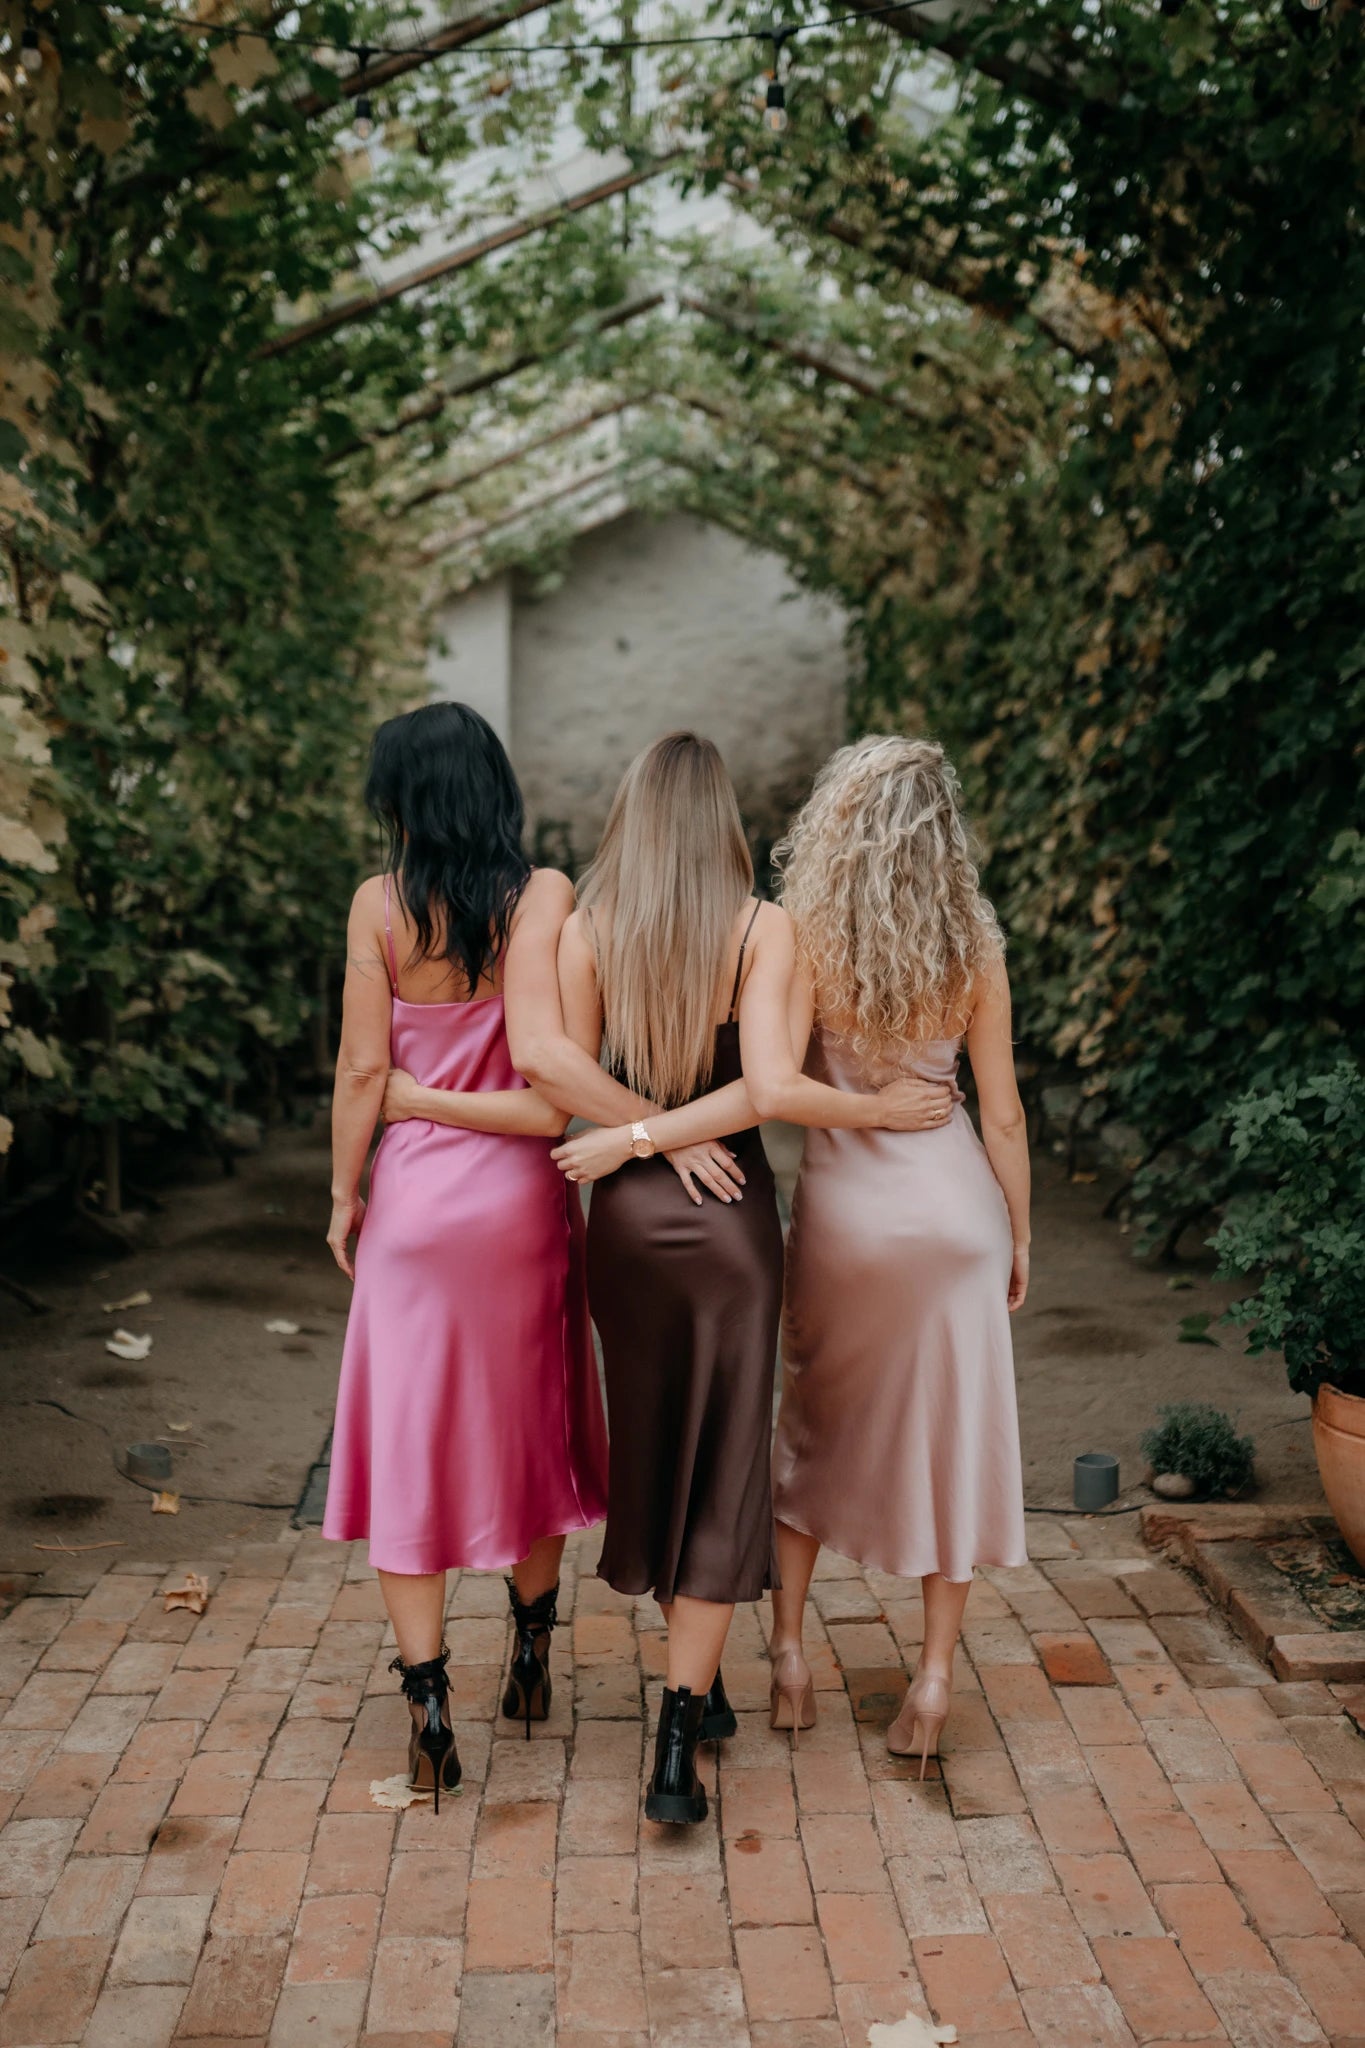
(675, 1792)
(717, 1715)
(432, 1742)
(528, 1682)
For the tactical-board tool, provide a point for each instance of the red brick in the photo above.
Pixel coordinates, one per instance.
(1073, 1660)
(1152, 1983)
(306, 1749)
(600, 1990)
(767, 1883)
(235, 1986)
(32, 1853)
(599, 1818)
(1019, 1692)
(1106, 1895)
(1156, 1692)
(1075, 1823)
(351, 1853)
(1329, 1848)
(683, 1924)
(90, 1897)
(1129, 1776)
(1166, 1847)
(160, 1750)
(1098, 1716)
(54, 2004)
(1281, 1778)
(784, 1973)
(1242, 1714)
(1078, 2016)
(245, 1720)
(50, 1699)
(597, 1894)
(1041, 1941)
(426, 1893)
(189, 1856)
(66, 1787)
(124, 1819)
(161, 1940)
(18, 1917)
(830, 1782)
(864, 1938)
(334, 1940)
(509, 1923)
(756, 1802)
(1331, 1975)
(982, 1781)
(189, 1696)
(85, 1644)
(516, 1841)
(1208, 1923)
(139, 1668)
(1227, 1817)
(216, 1784)
(260, 1893)
(1278, 1893)
(1263, 2010)
(843, 1852)
(967, 1983)
(282, 1813)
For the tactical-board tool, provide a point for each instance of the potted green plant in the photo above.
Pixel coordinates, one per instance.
(1299, 1230)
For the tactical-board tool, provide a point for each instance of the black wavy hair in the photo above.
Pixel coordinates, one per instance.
(449, 806)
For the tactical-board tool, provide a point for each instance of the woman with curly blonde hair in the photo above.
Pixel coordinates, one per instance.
(897, 1441)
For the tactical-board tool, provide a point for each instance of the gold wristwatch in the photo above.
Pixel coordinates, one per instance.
(641, 1144)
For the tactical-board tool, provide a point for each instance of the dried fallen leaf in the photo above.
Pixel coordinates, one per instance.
(139, 1300)
(911, 2032)
(279, 1326)
(165, 1503)
(179, 1426)
(193, 1595)
(393, 1794)
(78, 1549)
(124, 1344)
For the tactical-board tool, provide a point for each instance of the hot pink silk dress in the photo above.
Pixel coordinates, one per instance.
(898, 1434)
(469, 1421)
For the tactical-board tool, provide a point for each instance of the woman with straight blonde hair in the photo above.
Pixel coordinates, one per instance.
(655, 966)
(897, 1440)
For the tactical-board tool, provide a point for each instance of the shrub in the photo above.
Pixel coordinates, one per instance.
(1301, 1227)
(1201, 1443)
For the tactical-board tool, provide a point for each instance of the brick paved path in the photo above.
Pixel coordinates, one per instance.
(1139, 1836)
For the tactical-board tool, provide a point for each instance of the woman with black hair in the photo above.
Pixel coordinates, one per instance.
(469, 1426)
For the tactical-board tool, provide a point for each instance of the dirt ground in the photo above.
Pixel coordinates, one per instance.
(1097, 1347)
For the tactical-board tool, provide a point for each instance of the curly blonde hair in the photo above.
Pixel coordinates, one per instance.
(879, 881)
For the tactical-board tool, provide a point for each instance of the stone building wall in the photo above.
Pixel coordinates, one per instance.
(660, 623)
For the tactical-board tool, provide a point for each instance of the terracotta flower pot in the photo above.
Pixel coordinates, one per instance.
(1339, 1440)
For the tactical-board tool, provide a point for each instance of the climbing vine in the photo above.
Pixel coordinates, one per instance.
(1048, 367)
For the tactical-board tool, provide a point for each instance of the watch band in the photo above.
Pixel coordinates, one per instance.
(641, 1144)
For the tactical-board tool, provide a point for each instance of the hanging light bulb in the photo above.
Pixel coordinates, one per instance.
(30, 51)
(775, 111)
(364, 111)
(1314, 6)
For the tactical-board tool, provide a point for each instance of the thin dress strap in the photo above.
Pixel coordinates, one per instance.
(739, 964)
(388, 932)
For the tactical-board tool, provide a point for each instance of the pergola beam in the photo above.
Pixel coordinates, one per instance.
(397, 63)
(1019, 70)
(512, 456)
(365, 304)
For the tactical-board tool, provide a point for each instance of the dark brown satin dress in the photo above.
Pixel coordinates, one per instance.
(687, 1302)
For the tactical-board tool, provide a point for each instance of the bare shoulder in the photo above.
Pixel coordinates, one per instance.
(547, 898)
(367, 905)
(773, 928)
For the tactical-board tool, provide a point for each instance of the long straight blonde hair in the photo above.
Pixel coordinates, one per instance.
(879, 880)
(660, 902)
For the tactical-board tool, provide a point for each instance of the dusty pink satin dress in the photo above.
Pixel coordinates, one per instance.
(469, 1421)
(898, 1435)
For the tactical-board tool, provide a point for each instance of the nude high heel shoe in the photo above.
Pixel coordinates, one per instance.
(916, 1727)
(791, 1697)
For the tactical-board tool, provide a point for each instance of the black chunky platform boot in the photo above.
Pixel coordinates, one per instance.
(717, 1715)
(675, 1792)
(433, 1760)
(528, 1683)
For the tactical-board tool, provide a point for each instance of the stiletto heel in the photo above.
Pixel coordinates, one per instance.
(529, 1689)
(432, 1742)
(791, 1696)
(916, 1729)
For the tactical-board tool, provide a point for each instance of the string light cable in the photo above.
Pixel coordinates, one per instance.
(231, 31)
